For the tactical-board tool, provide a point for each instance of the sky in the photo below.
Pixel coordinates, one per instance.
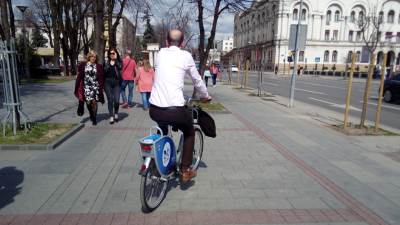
(224, 28)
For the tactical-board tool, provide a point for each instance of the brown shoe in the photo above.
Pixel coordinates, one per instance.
(187, 175)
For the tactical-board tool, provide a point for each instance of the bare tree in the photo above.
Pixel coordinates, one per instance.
(119, 6)
(137, 7)
(214, 9)
(179, 16)
(370, 27)
(42, 18)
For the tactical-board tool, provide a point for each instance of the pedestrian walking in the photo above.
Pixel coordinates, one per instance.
(214, 72)
(207, 75)
(112, 75)
(128, 75)
(144, 81)
(89, 85)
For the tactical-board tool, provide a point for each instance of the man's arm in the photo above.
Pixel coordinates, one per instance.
(196, 78)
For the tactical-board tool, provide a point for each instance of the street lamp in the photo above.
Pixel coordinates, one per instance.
(26, 39)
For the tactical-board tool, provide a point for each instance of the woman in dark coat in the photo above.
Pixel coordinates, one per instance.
(89, 84)
(113, 76)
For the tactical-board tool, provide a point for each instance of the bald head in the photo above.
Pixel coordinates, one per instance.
(175, 37)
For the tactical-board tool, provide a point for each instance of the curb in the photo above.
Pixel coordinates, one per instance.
(50, 146)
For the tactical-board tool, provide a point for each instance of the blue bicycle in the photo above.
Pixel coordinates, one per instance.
(161, 162)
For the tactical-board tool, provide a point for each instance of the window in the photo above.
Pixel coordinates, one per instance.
(388, 36)
(335, 35)
(334, 56)
(358, 36)
(326, 35)
(328, 17)
(381, 17)
(351, 35)
(390, 18)
(358, 56)
(326, 56)
(301, 56)
(337, 16)
(361, 17)
(353, 17)
(349, 55)
(398, 38)
(399, 18)
(303, 15)
(295, 14)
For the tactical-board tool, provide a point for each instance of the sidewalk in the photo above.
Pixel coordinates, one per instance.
(267, 165)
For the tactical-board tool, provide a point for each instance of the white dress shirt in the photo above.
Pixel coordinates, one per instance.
(171, 65)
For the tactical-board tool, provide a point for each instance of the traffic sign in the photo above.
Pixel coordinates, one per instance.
(302, 37)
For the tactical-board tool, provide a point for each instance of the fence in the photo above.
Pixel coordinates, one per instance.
(12, 102)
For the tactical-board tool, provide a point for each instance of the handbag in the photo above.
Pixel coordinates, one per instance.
(206, 123)
(81, 109)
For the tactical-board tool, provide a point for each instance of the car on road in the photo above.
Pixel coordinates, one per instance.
(391, 89)
(234, 68)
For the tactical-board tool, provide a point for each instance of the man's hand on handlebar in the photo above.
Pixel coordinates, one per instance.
(206, 100)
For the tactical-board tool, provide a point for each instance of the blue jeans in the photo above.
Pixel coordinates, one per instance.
(145, 99)
(130, 84)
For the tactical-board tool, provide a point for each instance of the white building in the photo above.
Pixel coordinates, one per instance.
(262, 32)
(225, 45)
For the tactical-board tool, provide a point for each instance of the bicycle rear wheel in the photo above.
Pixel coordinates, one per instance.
(198, 148)
(152, 190)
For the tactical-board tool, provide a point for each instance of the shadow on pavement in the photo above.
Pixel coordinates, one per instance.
(10, 179)
(47, 118)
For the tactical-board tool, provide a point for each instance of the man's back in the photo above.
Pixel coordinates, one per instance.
(172, 64)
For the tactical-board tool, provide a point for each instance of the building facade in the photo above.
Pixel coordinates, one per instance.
(225, 45)
(261, 33)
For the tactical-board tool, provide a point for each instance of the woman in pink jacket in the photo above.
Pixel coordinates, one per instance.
(144, 80)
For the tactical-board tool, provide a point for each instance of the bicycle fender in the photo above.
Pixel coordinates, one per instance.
(145, 166)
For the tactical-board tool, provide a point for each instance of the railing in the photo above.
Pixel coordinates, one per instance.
(12, 102)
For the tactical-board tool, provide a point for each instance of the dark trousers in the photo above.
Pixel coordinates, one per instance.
(206, 80)
(112, 88)
(181, 118)
(214, 78)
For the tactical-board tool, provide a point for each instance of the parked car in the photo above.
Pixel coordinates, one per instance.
(234, 68)
(391, 89)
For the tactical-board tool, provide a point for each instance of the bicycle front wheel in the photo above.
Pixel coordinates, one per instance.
(198, 148)
(152, 190)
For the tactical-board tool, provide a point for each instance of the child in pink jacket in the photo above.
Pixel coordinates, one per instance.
(144, 80)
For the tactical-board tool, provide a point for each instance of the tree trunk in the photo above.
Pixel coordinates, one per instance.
(98, 33)
(55, 24)
(12, 22)
(110, 10)
(367, 89)
(135, 29)
(5, 22)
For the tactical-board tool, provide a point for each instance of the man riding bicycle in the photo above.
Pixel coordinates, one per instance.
(167, 99)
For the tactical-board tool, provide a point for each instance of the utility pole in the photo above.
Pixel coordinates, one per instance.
(280, 38)
(293, 79)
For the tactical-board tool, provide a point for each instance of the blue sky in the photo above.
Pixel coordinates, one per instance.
(224, 28)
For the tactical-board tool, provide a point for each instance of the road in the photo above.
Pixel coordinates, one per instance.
(329, 93)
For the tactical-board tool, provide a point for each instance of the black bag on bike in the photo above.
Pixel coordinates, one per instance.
(206, 123)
